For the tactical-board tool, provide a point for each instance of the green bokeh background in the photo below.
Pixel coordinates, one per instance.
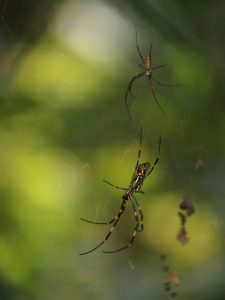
(65, 66)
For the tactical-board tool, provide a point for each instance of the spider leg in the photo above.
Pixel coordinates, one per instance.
(135, 211)
(129, 90)
(152, 168)
(92, 249)
(139, 51)
(130, 243)
(117, 218)
(165, 85)
(154, 96)
(115, 186)
(98, 223)
(151, 47)
(132, 81)
(141, 192)
(157, 159)
(141, 214)
(150, 51)
(136, 206)
(139, 153)
(159, 67)
(134, 232)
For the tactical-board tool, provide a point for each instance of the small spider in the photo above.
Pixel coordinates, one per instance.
(141, 172)
(147, 66)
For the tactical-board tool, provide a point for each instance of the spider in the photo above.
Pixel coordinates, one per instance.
(141, 172)
(147, 66)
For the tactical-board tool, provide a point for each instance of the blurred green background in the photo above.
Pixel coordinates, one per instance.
(65, 66)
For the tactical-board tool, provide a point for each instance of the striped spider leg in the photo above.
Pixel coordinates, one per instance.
(141, 171)
(148, 70)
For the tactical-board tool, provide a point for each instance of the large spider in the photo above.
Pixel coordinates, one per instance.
(141, 172)
(147, 66)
